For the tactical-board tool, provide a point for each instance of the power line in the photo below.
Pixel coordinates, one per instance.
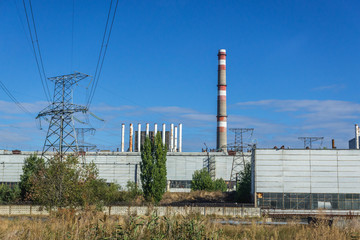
(72, 35)
(37, 53)
(102, 54)
(7, 92)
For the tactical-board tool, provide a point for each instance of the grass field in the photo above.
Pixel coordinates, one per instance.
(94, 225)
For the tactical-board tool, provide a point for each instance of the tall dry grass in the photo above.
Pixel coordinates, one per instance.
(90, 224)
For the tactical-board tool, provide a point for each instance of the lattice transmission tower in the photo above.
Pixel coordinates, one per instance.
(308, 141)
(61, 135)
(80, 133)
(241, 144)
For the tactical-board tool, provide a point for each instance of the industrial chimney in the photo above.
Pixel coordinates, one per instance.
(221, 137)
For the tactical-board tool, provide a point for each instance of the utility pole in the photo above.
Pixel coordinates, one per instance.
(61, 135)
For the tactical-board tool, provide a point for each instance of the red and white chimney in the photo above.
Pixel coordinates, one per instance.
(221, 136)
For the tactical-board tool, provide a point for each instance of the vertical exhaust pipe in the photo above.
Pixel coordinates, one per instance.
(147, 130)
(155, 130)
(171, 137)
(180, 137)
(131, 138)
(356, 136)
(139, 138)
(175, 138)
(163, 133)
(122, 137)
(221, 134)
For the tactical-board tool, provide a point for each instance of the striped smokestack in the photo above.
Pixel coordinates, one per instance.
(221, 137)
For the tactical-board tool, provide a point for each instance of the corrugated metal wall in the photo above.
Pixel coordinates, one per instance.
(124, 167)
(307, 171)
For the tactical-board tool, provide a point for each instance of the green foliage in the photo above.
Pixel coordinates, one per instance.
(67, 183)
(133, 191)
(243, 193)
(9, 194)
(220, 185)
(201, 180)
(32, 165)
(153, 169)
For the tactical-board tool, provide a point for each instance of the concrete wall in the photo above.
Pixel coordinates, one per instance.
(12, 210)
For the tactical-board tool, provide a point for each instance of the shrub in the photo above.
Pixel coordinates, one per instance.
(9, 194)
(220, 185)
(201, 180)
(66, 183)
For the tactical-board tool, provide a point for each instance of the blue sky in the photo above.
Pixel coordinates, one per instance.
(292, 67)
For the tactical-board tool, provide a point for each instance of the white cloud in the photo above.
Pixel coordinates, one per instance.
(12, 108)
(171, 110)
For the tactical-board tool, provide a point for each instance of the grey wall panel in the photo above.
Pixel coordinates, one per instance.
(319, 171)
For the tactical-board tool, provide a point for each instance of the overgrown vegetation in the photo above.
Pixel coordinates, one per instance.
(32, 166)
(153, 169)
(9, 194)
(68, 224)
(201, 180)
(243, 188)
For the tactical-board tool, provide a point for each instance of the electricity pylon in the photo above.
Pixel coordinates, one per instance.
(238, 148)
(61, 134)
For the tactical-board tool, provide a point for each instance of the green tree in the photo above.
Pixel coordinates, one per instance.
(153, 169)
(67, 183)
(160, 173)
(220, 185)
(244, 186)
(32, 165)
(201, 180)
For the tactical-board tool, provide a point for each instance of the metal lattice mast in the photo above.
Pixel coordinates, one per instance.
(80, 133)
(309, 140)
(61, 134)
(238, 148)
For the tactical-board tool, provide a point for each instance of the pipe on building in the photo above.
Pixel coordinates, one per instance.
(180, 137)
(131, 138)
(333, 143)
(122, 137)
(356, 136)
(139, 138)
(175, 138)
(221, 133)
(171, 137)
(155, 130)
(163, 133)
(147, 130)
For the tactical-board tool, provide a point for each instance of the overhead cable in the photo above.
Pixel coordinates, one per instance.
(36, 50)
(7, 92)
(106, 38)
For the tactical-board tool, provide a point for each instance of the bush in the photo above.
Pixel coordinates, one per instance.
(201, 180)
(9, 194)
(67, 183)
(133, 191)
(220, 185)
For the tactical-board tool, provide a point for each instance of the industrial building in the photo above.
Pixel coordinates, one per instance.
(118, 167)
(306, 179)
